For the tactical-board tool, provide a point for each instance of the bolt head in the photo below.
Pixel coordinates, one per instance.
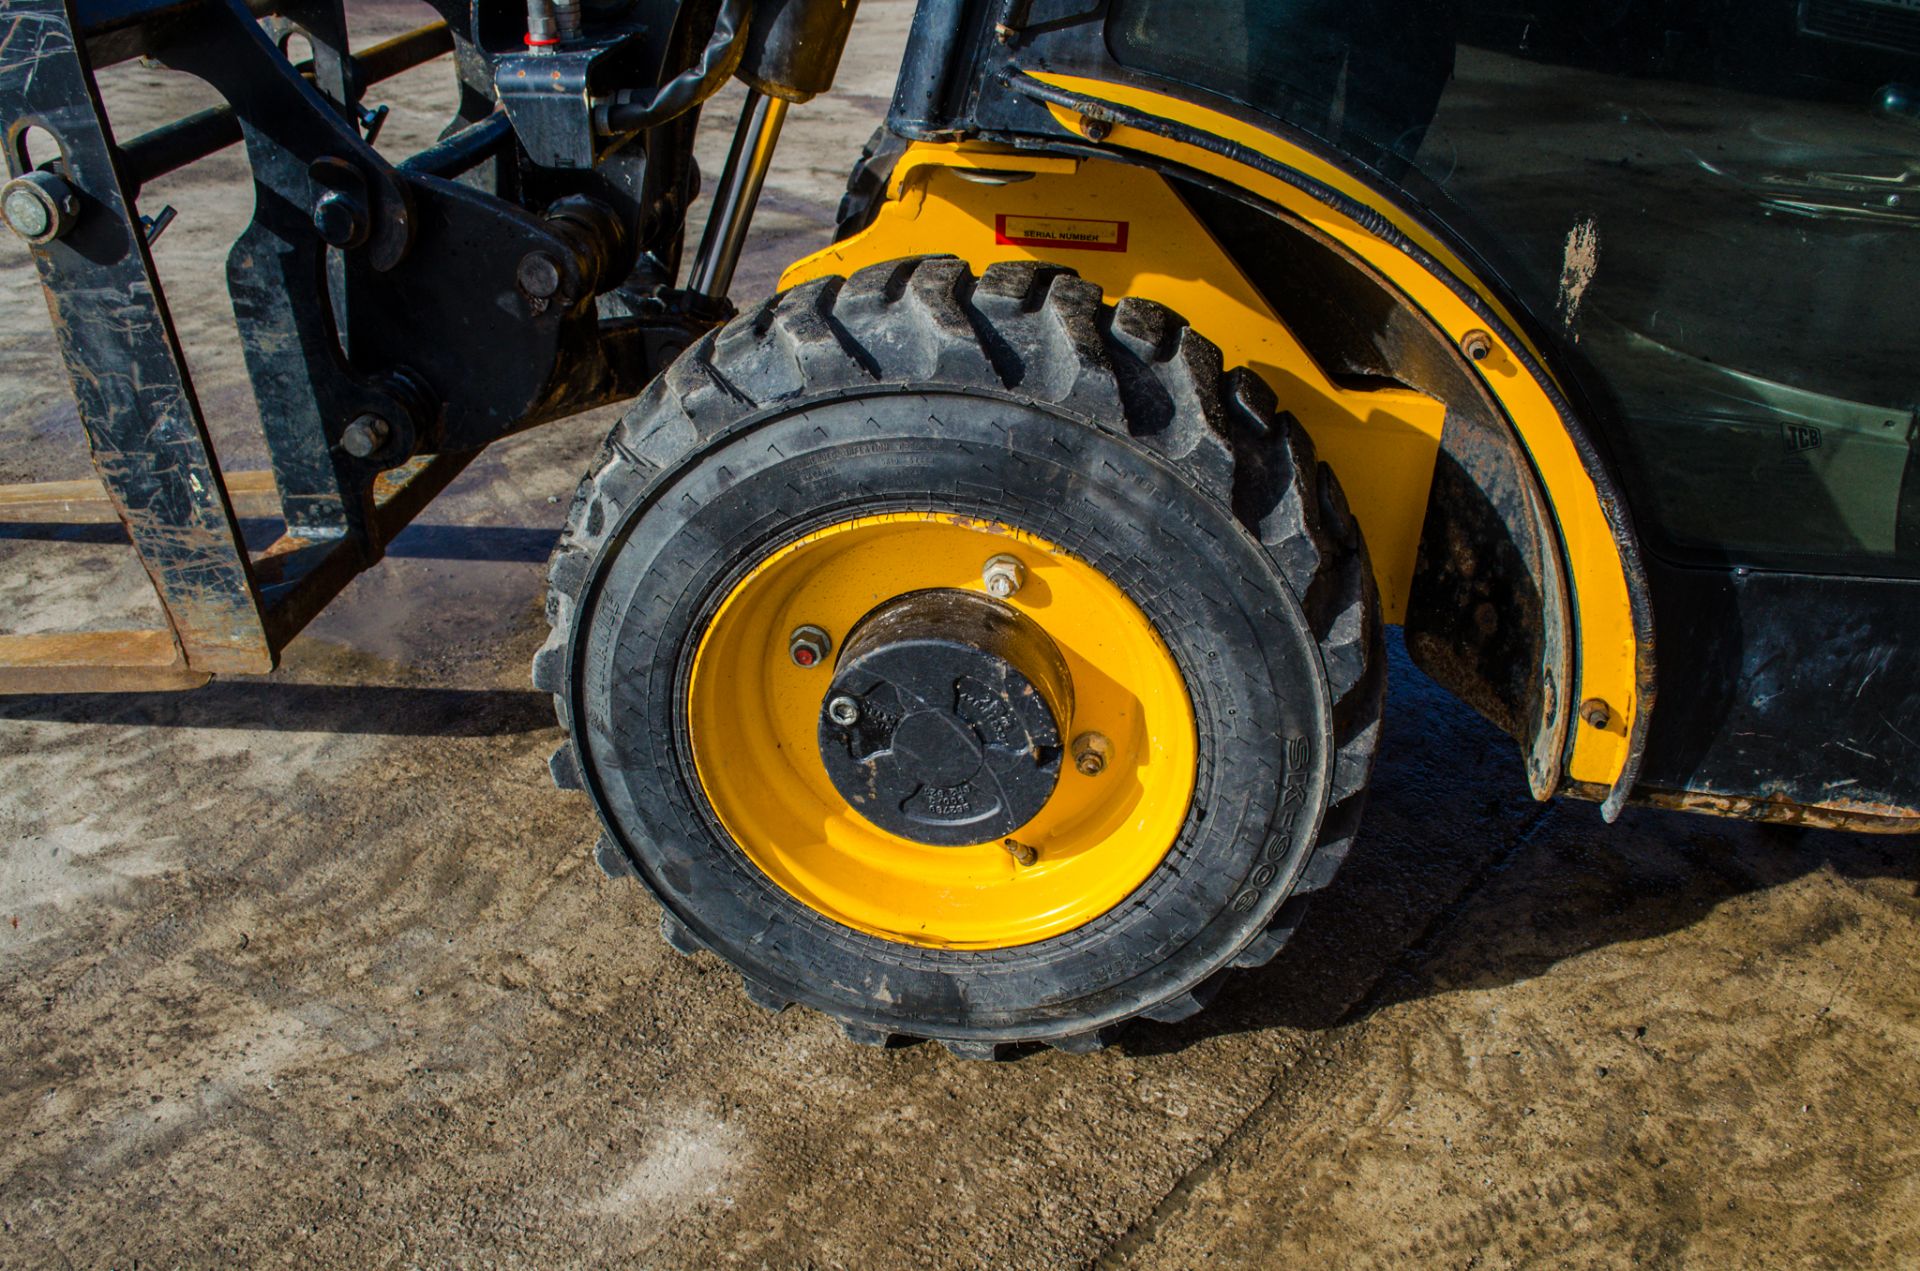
(539, 276)
(39, 206)
(341, 219)
(808, 647)
(844, 711)
(28, 215)
(1002, 576)
(366, 436)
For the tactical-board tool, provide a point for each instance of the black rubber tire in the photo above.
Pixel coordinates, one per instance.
(1111, 431)
(867, 183)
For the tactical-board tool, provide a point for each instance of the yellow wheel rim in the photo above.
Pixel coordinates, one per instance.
(753, 716)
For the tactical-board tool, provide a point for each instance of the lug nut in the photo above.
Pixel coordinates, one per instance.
(1090, 752)
(808, 647)
(844, 711)
(366, 436)
(1003, 576)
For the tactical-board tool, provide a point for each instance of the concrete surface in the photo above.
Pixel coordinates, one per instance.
(316, 970)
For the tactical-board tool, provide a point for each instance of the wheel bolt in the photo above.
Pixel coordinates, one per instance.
(844, 711)
(808, 646)
(1002, 576)
(1090, 752)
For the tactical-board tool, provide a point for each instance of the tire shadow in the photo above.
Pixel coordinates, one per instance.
(1461, 881)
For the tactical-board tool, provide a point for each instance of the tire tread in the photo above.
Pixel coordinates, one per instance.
(1039, 332)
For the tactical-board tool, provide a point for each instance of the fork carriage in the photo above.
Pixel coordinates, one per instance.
(396, 317)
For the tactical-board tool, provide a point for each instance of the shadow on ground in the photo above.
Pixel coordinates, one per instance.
(275, 706)
(508, 543)
(1456, 857)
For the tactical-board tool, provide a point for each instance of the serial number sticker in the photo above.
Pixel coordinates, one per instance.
(1055, 231)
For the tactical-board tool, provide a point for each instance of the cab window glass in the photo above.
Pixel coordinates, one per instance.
(1713, 208)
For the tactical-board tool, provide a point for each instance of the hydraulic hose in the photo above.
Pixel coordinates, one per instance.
(626, 111)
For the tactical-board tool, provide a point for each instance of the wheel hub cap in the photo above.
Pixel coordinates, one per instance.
(960, 703)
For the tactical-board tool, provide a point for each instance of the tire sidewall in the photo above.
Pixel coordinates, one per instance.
(1254, 677)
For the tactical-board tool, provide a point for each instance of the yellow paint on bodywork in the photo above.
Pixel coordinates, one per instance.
(1385, 439)
(1381, 444)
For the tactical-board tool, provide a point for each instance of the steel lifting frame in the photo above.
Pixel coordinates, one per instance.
(369, 299)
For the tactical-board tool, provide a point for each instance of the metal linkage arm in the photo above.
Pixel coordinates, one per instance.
(208, 131)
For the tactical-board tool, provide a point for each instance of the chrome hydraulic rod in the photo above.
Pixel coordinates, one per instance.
(738, 192)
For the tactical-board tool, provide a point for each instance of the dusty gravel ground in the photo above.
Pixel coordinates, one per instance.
(316, 970)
